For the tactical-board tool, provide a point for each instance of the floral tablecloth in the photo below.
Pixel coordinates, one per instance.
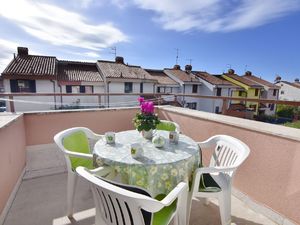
(159, 170)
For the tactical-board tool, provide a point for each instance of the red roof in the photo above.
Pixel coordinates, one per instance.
(212, 79)
(161, 77)
(243, 80)
(111, 69)
(260, 81)
(33, 65)
(182, 75)
(78, 71)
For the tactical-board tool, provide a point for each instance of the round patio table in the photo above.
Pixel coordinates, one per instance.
(159, 170)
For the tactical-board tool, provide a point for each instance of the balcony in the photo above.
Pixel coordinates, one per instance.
(33, 173)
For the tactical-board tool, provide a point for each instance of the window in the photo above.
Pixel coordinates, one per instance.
(256, 92)
(79, 89)
(274, 92)
(158, 89)
(195, 88)
(23, 86)
(282, 92)
(191, 105)
(128, 87)
(219, 91)
(272, 107)
(141, 87)
(240, 93)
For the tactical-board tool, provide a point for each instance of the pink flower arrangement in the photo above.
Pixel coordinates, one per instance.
(146, 119)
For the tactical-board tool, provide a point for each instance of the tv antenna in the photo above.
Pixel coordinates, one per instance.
(114, 51)
(190, 60)
(246, 67)
(228, 66)
(177, 53)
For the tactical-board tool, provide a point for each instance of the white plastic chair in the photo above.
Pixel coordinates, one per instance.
(164, 125)
(124, 204)
(228, 155)
(75, 144)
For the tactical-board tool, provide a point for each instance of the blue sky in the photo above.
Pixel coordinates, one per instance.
(261, 36)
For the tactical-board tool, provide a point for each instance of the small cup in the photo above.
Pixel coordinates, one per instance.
(174, 137)
(110, 137)
(136, 150)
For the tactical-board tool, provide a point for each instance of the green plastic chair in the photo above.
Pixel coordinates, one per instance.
(75, 144)
(168, 126)
(124, 204)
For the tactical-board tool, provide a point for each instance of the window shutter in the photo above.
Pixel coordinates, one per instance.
(32, 86)
(14, 86)
(68, 88)
(82, 89)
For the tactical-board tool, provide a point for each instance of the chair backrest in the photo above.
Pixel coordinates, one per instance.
(168, 126)
(229, 151)
(116, 205)
(75, 140)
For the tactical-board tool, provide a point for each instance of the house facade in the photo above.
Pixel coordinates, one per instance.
(189, 84)
(164, 85)
(125, 79)
(213, 86)
(269, 91)
(289, 91)
(250, 89)
(45, 74)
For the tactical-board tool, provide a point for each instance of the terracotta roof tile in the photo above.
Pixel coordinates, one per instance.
(111, 69)
(161, 77)
(260, 81)
(78, 71)
(243, 80)
(31, 65)
(212, 79)
(182, 75)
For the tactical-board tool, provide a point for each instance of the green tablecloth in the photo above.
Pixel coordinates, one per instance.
(159, 170)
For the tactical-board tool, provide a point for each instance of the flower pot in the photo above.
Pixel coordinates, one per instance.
(147, 134)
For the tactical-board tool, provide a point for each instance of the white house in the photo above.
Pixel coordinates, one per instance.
(213, 86)
(288, 91)
(165, 85)
(189, 84)
(125, 79)
(269, 91)
(45, 74)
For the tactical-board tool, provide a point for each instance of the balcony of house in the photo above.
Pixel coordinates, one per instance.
(33, 174)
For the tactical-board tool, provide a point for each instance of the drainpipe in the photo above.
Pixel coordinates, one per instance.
(54, 93)
(184, 96)
(108, 82)
(61, 97)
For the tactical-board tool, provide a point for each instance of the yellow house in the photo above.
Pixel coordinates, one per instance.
(250, 89)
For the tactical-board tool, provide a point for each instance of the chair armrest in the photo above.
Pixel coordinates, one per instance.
(78, 154)
(205, 144)
(179, 190)
(95, 136)
(215, 169)
(102, 171)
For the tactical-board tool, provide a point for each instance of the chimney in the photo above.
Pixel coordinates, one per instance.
(119, 59)
(188, 68)
(248, 73)
(176, 67)
(22, 51)
(231, 71)
(297, 80)
(277, 79)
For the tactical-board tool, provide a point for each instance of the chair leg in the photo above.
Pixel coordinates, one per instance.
(72, 180)
(225, 207)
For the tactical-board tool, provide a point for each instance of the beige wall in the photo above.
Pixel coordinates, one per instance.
(12, 157)
(41, 127)
(271, 174)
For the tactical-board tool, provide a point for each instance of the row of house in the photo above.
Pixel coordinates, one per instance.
(47, 74)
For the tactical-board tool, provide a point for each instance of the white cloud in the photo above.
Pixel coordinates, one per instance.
(216, 15)
(6, 53)
(60, 27)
